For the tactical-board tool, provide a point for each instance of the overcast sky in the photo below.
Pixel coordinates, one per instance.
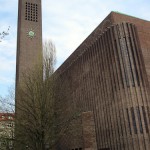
(66, 22)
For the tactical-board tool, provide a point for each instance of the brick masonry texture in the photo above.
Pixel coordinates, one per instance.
(89, 136)
(108, 74)
(28, 49)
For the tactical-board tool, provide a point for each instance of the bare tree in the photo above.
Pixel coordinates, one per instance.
(40, 96)
(40, 108)
(49, 58)
(4, 33)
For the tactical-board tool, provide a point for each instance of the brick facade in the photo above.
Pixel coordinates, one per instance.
(29, 39)
(89, 135)
(29, 48)
(108, 74)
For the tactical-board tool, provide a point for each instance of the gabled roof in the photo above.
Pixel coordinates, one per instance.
(114, 17)
(117, 12)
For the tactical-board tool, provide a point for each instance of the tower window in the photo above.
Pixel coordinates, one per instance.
(31, 11)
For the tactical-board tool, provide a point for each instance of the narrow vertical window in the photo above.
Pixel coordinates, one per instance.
(139, 119)
(125, 60)
(121, 124)
(119, 65)
(129, 66)
(129, 124)
(145, 119)
(134, 62)
(133, 120)
(148, 110)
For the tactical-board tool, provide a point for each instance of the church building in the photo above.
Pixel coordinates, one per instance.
(108, 77)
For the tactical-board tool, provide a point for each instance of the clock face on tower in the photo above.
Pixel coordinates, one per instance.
(31, 33)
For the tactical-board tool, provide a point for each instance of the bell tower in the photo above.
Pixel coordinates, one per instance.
(29, 36)
(29, 48)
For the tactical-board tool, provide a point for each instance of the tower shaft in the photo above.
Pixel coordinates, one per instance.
(29, 38)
